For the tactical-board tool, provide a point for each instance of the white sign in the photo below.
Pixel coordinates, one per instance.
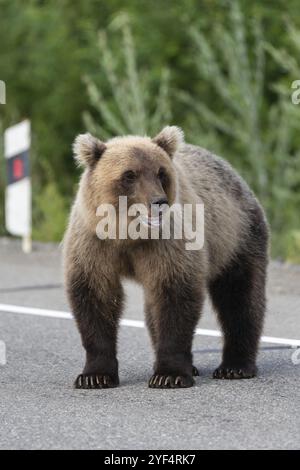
(17, 139)
(18, 191)
(18, 208)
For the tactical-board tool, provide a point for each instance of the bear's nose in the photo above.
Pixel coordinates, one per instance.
(159, 201)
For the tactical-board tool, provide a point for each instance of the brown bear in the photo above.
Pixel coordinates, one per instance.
(231, 266)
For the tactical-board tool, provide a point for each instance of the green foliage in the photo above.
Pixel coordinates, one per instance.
(293, 247)
(52, 214)
(258, 138)
(220, 69)
(287, 241)
(131, 107)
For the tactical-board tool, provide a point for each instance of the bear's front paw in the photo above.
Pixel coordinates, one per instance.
(95, 381)
(171, 381)
(234, 372)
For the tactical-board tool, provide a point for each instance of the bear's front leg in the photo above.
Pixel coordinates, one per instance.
(176, 309)
(97, 312)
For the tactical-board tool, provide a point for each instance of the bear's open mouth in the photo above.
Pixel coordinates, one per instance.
(151, 221)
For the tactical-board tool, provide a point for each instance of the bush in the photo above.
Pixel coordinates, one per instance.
(51, 218)
(133, 102)
(258, 138)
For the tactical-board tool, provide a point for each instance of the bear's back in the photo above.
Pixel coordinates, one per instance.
(230, 207)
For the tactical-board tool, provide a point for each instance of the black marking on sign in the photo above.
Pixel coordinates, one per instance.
(18, 167)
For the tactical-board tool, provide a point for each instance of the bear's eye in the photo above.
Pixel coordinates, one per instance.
(129, 176)
(162, 175)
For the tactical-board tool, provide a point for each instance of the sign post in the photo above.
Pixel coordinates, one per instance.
(18, 191)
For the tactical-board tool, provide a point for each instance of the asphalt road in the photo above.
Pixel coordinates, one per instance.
(39, 409)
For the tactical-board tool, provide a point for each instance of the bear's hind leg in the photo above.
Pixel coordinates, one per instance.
(153, 331)
(238, 295)
(151, 326)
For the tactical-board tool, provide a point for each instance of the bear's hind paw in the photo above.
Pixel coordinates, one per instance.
(234, 373)
(94, 381)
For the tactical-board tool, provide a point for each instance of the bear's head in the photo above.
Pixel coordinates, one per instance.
(139, 168)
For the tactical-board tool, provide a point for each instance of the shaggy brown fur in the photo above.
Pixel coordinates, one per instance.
(231, 266)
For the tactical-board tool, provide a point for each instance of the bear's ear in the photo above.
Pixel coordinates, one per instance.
(169, 139)
(88, 149)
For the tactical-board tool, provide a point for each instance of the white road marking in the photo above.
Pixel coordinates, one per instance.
(41, 312)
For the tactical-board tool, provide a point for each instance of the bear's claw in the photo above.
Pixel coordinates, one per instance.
(170, 381)
(94, 381)
(233, 373)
